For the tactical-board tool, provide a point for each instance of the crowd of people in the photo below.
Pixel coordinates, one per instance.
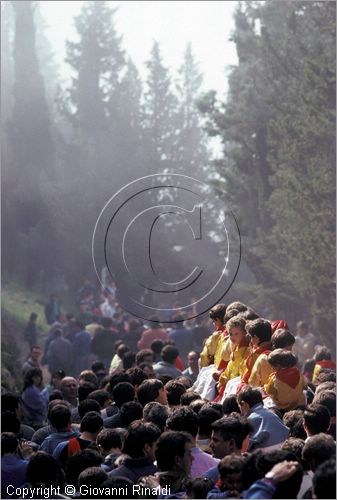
(132, 409)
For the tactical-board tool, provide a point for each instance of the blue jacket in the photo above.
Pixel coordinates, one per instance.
(269, 430)
(13, 472)
(263, 488)
(50, 443)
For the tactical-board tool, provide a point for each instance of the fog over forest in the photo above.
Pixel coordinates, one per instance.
(67, 147)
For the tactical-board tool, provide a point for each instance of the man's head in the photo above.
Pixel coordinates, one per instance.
(281, 358)
(302, 328)
(141, 439)
(91, 423)
(122, 393)
(327, 399)
(228, 435)
(102, 397)
(156, 413)
(169, 354)
(33, 316)
(206, 417)
(192, 360)
(294, 420)
(69, 388)
(130, 411)
(231, 472)
(43, 469)
(249, 397)
(316, 419)
(173, 452)
(88, 405)
(282, 339)
(184, 419)
(324, 480)
(60, 417)
(9, 443)
(110, 440)
(318, 449)
(259, 330)
(35, 353)
(322, 354)
(174, 391)
(151, 390)
(144, 356)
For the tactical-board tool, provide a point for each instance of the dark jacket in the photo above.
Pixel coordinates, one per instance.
(134, 468)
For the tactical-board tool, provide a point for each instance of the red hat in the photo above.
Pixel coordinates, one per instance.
(279, 323)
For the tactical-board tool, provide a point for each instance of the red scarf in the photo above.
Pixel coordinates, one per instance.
(327, 363)
(290, 376)
(252, 357)
(279, 323)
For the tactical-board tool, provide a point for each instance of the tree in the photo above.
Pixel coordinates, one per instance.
(278, 129)
(30, 164)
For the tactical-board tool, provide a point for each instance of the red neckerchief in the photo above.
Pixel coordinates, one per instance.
(290, 376)
(251, 358)
(327, 363)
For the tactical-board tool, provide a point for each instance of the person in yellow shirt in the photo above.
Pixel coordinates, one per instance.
(258, 368)
(286, 384)
(236, 328)
(211, 352)
(322, 359)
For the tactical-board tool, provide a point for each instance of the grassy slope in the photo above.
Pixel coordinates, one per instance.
(17, 304)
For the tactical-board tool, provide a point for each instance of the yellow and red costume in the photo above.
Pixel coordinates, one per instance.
(325, 363)
(212, 351)
(286, 387)
(236, 366)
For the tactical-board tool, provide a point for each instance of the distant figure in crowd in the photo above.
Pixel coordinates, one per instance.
(52, 309)
(193, 366)
(181, 336)
(33, 360)
(34, 398)
(305, 342)
(30, 332)
(154, 332)
(59, 355)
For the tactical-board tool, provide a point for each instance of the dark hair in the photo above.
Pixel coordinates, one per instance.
(327, 399)
(55, 394)
(43, 468)
(250, 395)
(189, 396)
(198, 487)
(122, 393)
(9, 401)
(30, 374)
(91, 422)
(106, 322)
(118, 377)
(206, 417)
(101, 396)
(170, 445)
(218, 312)
(137, 375)
(197, 404)
(169, 354)
(230, 314)
(316, 418)
(92, 476)
(283, 358)
(156, 346)
(98, 366)
(139, 434)
(88, 405)
(231, 464)
(122, 487)
(156, 413)
(9, 442)
(282, 338)
(60, 417)
(239, 306)
(142, 355)
(249, 315)
(260, 328)
(80, 461)
(164, 378)
(233, 427)
(325, 375)
(291, 486)
(322, 353)
(324, 480)
(85, 389)
(183, 419)
(121, 350)
(326, 386)
(230, 405)
(130, 411)
(309, 365)
(318, 449)
(149, 390)
(294, 420)
(237, 322)
(10, 422)
(33, 315)
(174, 392)
(295, 446)
(109, 438)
